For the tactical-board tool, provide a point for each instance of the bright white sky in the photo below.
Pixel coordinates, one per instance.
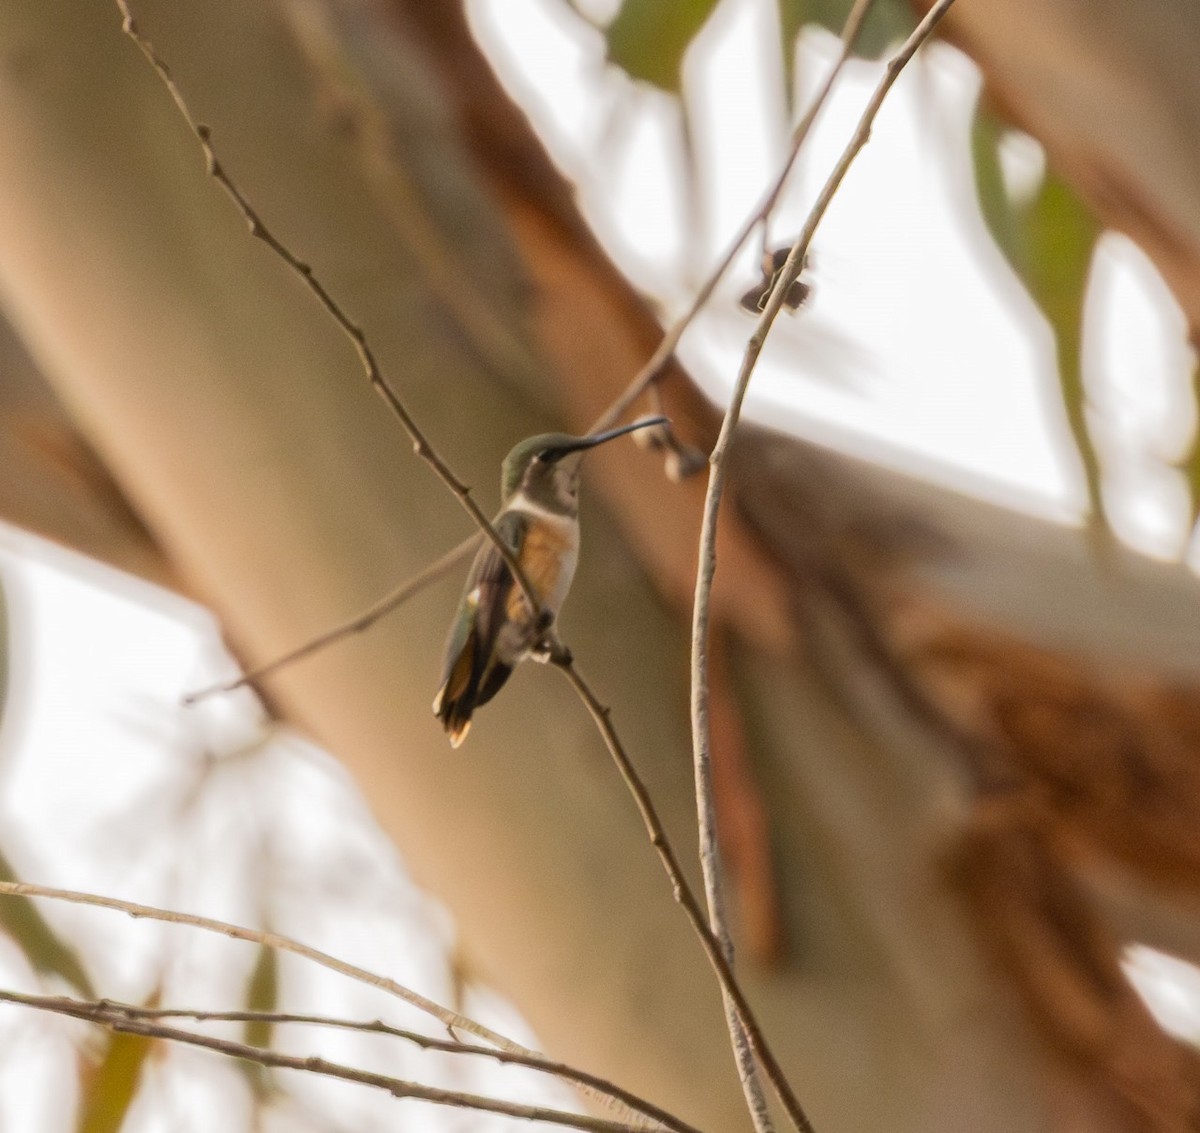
(906, 354)
(918, 348)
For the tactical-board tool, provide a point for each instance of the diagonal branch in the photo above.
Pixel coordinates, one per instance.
(358, 339)
(701, 728)
(112, 1017)
(395, 598)
(423, 449)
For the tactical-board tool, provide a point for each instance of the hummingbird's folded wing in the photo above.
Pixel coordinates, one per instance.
(471, 673)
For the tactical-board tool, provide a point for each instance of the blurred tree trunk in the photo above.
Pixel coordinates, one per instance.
(965, 827)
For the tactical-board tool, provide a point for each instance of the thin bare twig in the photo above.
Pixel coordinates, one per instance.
(655, 364)
(363, 621)
(304, 272)
(701, 729)
(684, 895)
(104, 1015)
(591, 1082)
(453, 1021)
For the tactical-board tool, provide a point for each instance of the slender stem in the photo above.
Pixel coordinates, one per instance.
(395, 597)
(657, 362)
(710, 864)
(104, 1015)
(594, 1083)
(684, 895)
(357, 336)
(701, 729)
(453, 1021)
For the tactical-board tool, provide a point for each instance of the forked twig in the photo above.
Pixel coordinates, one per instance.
(657, 362)
(645, 377)
(104, 1015)
(701, 729)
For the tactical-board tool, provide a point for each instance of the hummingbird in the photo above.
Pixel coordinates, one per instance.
(495, 628)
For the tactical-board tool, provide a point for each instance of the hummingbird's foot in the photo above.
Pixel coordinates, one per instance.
(545, 641)
(549, 650)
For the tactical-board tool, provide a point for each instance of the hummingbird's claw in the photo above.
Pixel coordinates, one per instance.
(550, 650)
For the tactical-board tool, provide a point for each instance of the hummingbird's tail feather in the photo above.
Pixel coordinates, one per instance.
(470, 683)
(457, 730)
(456, 698)
(455, 715)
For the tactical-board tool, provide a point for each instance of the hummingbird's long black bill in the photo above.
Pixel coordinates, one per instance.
(584, 443)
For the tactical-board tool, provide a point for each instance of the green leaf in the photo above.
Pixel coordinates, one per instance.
(45, 950)
(262, 994)
(111, 1086)
(1049, 242)
(648, 38)
(991, 191)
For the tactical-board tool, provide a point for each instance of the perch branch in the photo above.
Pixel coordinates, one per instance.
(357, 336)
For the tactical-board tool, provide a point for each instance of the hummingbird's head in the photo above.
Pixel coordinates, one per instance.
(545, 468)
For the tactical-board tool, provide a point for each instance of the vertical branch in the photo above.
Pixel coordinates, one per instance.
(701, 727)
